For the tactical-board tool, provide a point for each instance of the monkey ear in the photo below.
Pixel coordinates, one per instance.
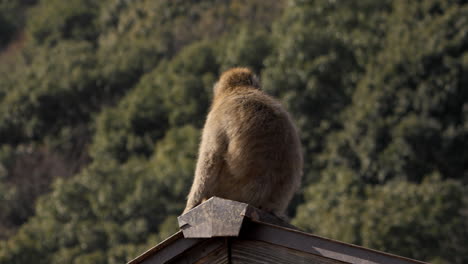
(255, 81)
(216, 88)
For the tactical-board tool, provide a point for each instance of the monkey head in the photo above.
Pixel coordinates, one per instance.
(236, 77)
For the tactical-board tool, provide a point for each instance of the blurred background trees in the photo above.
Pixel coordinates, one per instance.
(102, 103)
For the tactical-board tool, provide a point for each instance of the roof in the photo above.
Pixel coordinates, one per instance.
(224, 231)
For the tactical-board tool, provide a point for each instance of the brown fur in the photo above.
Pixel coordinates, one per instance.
(250, 150)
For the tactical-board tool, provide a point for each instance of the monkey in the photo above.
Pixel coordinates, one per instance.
(250, 149)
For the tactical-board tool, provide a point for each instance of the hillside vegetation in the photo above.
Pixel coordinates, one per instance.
(102, 104)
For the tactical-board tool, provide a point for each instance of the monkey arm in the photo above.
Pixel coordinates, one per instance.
(209, 166)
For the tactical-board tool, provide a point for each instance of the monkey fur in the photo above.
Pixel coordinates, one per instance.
(250, 150)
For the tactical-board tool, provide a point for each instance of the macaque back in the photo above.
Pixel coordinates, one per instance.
(250, 150)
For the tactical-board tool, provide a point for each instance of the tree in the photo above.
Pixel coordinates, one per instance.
(249, 48)
(54, 20)
(409, 115)
(394, 178)
(316, 62)
(422, 221)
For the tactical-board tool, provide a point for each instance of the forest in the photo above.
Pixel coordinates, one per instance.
(102, 105)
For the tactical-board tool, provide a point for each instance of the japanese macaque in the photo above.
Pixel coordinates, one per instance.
(250, 150)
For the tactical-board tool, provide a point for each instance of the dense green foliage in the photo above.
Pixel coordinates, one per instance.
(102, 104)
